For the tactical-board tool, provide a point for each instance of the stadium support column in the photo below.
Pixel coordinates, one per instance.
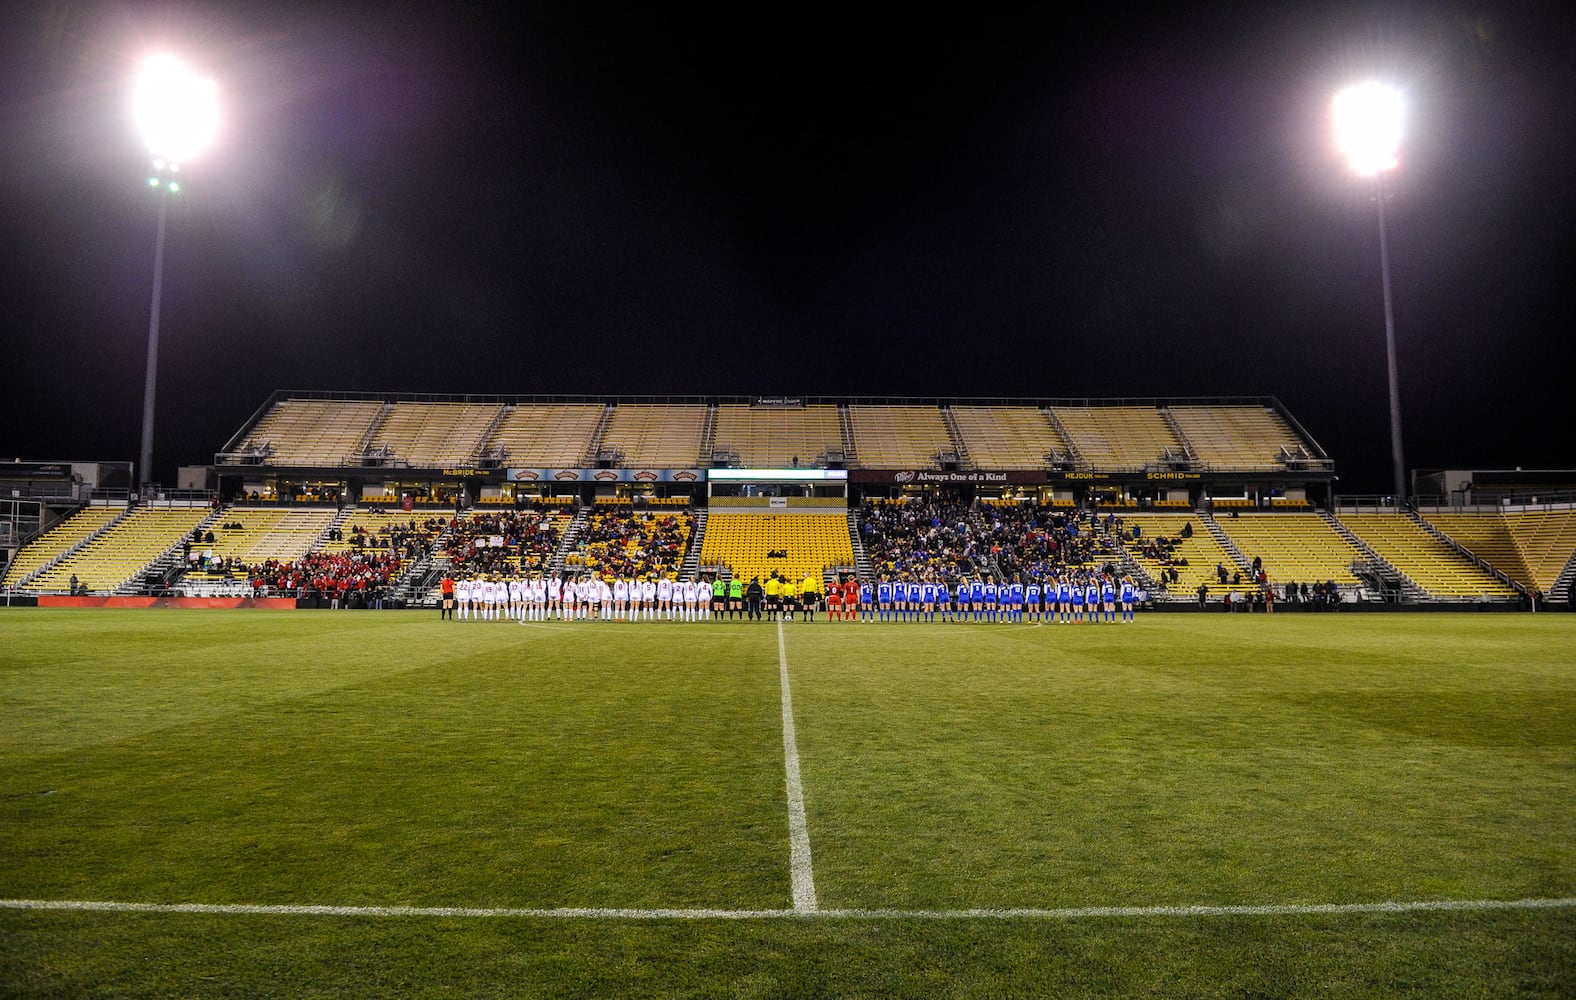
(176, 111)
(1389, 338)
(149, 385)
(1369, 120)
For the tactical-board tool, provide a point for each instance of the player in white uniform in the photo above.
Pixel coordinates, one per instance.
(620, 598)
(538, 598)
(568, 601)
(516, 599)
(604, 594)
(684, 596)
(462, 598)
(665, 599)
(648, 598)
(555, 597)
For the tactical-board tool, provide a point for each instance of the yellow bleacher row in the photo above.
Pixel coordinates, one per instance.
(1235, 437)
(326, 432)
(1294, 547)
(742, 543)
(123, 550)
(1429, 562)
(434, 434)
(548, 435)
(1008, 437)
(313, 431)
(653, 435)
(1530, 548)
(1118, 437)
(773, 437)
(898, 437)
(266, 533)
(58, 539)
(1202, 552)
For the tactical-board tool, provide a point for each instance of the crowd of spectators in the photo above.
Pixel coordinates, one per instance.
(503, 542)
(1034, 541)
(632, 544)
(341, 578)
(929, 536)
(940, 536)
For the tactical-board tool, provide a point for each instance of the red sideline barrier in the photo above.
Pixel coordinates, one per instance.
(58, 601)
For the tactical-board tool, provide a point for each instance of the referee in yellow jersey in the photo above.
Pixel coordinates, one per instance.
(809, 593)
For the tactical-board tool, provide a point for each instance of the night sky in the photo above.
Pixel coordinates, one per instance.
(567, 198)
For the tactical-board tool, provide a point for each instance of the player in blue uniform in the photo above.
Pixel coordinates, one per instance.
(989, 599)
(867, 602)
(1077, 601)
(976, 598)
(1015, 600)
(916, 594)
(1031, 598)
(1127, 599)
(884, 597)
(1092, 601)
(1108, 599)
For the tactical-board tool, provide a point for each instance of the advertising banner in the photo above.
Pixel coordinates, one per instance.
(607, 475)
(929, 477)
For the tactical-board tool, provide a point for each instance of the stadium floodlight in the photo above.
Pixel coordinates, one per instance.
(176, 109)
(1368, 126)
(176, 112)
(1369, 119)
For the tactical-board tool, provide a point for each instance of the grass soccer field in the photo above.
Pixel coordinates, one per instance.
(270, 803)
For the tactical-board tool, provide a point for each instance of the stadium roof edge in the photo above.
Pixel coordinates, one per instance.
(709, 400)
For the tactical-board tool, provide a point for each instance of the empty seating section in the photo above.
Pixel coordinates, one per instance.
(435, 434)
(313, 431)
(58, 539)
(267, 533)
(898, 437)
(1487, 536)
(1530, 547)
(1159, 545)
(1294, 547)
(549, 435)
(1429, 562)
(1546, 540)
(1008, 437)
(1118, 437)
(773, 437)
(1236, 437)
(791, 545)
(655, 435)
(122, 551)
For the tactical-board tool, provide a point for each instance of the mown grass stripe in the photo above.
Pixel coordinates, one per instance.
(659, 913)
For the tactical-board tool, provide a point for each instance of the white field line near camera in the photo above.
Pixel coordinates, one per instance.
(798, 830)
(618, 913)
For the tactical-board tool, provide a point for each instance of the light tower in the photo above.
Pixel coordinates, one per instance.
(176, 112)
(1368, 128)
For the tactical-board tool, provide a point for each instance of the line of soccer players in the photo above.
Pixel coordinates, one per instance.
(584, 597)
(1077, 597)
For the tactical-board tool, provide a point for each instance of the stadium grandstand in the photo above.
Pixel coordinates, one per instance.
(387, 493)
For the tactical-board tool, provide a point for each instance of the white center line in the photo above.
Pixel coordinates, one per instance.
(798, 831)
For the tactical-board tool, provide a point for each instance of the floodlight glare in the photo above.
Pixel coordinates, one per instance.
(176, 110)
(1368, 119)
